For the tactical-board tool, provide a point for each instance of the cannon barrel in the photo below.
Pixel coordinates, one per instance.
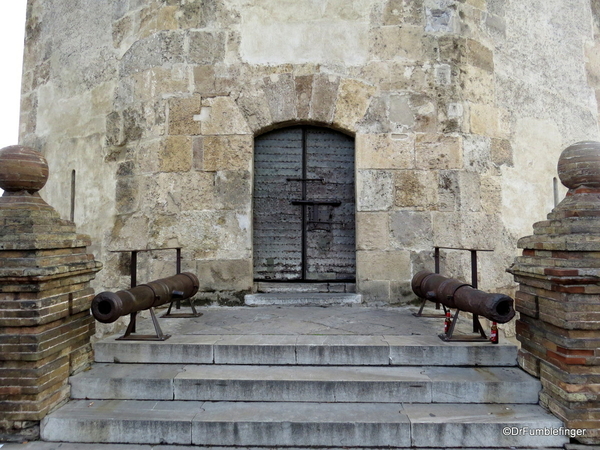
(455, 294)
(109, 306)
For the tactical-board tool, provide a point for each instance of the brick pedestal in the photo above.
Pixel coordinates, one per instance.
(45, 324)
(559, 296)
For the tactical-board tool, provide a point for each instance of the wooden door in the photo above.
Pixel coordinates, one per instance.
(304, 206)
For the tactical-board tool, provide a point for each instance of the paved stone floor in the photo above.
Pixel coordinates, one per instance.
(333, 320)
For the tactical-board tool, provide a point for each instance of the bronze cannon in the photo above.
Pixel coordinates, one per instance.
(453, 293)
(109, 306)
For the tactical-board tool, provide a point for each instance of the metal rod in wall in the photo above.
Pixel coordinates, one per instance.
(73, 174)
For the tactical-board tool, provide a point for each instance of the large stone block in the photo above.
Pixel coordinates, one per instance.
(375, 292)
(383, 265)
(352, 102)
(225, 275)
(479, 55)
(220, 115)
(384, 43)
(459, 191)
(399, 12)
(400, 111)
(231, 152)
(405, 75)
(324, 95)
(126, 194)
(181, 115)
(206, 47)
(159, 49)
(147, 156)
(447, 229)
(375, 120)
(280, 91)
(479, 86)
(426, 113)
(204, 80)
(434, 151)
(501, 152)
(385, 151)
(232, 190)
(416, 189)
(372, 231)
(263, 26)
(254, 107)
(375, 190)
(441, 17)
(491, 195)
(194, 191)
(207, 234)
(176, 154)
(477, 154)
(129, 232)
(484, 120)
(411, 230)
(304, 87)
(149, 84)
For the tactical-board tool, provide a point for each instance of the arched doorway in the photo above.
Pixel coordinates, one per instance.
(304, 206)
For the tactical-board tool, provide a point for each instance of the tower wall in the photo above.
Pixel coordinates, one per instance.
(459, 110)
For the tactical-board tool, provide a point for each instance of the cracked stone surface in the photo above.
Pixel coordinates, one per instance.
(335, 320)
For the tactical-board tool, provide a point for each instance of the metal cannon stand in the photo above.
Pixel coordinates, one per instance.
(477, 328)
(159, 335)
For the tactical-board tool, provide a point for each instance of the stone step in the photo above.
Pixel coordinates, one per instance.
(306, 384)
(279, 287)
(302, 299)
(355, 350)
(41, 445)
(283, 424)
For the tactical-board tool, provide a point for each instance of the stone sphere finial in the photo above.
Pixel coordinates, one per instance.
(579, 165)
(22, 169)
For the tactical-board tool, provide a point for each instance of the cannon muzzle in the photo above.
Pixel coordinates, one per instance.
(453, 293)
(109, 306)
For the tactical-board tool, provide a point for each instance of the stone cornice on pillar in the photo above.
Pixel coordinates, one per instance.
(559, 296)
(45, 296)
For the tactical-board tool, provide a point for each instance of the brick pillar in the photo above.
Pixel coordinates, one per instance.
(45, 295)
(559, 296)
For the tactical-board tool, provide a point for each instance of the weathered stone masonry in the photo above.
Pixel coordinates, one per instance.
(458, 110)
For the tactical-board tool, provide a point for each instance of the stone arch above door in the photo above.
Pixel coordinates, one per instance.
(319, 99)
(286, 99)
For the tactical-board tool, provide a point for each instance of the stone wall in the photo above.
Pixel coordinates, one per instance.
(458, 109)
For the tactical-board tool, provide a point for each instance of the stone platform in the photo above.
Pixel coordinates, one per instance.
(286, 377)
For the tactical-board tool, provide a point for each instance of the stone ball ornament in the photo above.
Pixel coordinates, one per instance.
(22, 169)
(579, 165)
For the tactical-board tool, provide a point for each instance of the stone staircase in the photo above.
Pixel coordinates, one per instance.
(303, 390)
